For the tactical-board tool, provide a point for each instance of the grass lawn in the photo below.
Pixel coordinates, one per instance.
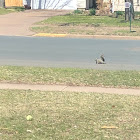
(68, 116)
(70, 76)
(87, 25)
(10, 10)
(89, 20)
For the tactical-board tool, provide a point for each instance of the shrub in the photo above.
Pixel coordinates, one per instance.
(137, 15)
(92, 11)
(119, 13)
(77, 11)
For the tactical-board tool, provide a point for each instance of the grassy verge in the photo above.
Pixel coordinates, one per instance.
(68, 116)
(87, 25)
(89, 20)
(10, 10)
(69, 76)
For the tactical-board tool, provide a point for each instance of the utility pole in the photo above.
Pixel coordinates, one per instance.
(129, 7)
(132, 9)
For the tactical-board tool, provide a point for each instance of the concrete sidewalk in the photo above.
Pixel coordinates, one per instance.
(70, 88)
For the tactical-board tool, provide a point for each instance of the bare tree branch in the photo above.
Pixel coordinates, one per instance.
(48, 3)
(52, 3)
(56, 4)
(65, 4)
(45, 4)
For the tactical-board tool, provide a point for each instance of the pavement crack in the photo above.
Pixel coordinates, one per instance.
(64, 88)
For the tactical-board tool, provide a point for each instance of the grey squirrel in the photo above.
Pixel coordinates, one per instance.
(100, 60)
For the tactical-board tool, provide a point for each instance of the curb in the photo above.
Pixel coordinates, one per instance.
(50, 35)
(89, 36)
(64, 88)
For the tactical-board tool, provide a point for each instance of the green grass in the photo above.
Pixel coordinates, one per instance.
(68, 116)
(84, 19)
(69, 76)
(4, 11)
(87, 25)
(10, 10)
(43, 29)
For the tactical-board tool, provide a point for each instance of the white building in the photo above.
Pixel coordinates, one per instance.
(59, 4)
(119, 5)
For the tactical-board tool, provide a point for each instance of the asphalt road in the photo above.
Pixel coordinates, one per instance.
(68, 52)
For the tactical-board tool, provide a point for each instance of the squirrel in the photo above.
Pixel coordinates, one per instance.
(100, 60)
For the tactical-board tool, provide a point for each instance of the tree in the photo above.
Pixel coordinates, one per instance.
(99, 4)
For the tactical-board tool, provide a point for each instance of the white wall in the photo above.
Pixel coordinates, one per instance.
(81, 4)
(119, 5)
(27, 2)
(54, 4)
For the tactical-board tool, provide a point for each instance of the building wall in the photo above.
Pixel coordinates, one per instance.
(81, 4)
(10, 3)
(27, 2)
(54, 4)
(119, 5)
(85, 4)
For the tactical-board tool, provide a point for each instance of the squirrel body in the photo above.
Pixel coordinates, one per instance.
(100, 60)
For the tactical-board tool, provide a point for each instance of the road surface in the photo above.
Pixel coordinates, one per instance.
(68, 52)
